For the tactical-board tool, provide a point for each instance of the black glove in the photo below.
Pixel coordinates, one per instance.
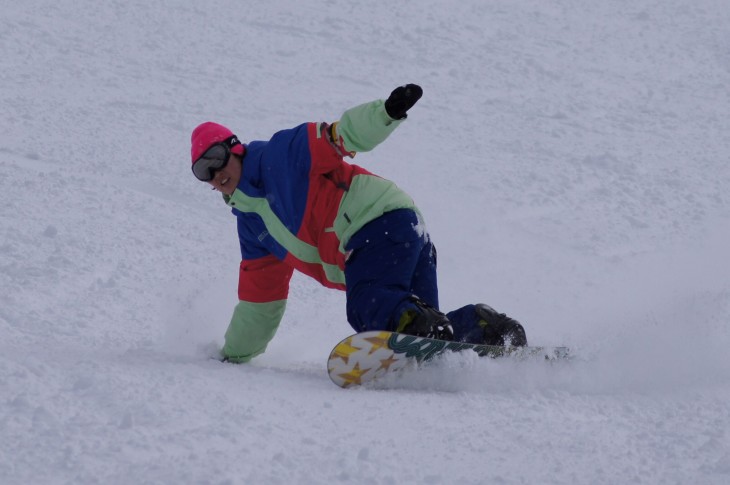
(401, 100)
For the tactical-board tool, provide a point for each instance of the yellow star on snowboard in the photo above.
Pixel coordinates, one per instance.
(354, 376)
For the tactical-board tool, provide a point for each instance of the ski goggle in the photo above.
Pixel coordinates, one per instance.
(215, 158)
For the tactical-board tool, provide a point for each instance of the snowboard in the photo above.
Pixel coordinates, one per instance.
(366, 356)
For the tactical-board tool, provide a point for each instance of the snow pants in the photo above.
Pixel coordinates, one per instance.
(391, 259)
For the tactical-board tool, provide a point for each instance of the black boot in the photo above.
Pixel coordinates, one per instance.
(425, 321)
(499, 328)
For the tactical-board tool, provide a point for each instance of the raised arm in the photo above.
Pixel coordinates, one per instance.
(364, 127)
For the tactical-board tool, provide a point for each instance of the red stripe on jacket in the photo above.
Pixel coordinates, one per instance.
(263, 280)
(329, 178)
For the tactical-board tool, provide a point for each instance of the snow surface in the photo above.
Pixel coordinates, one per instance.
(571, 159)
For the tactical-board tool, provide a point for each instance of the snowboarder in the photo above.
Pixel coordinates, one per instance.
(300, 205)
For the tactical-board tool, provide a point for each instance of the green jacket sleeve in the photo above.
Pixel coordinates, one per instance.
(252, 327)
(364, 127)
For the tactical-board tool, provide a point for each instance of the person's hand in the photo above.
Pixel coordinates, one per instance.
(401, 100)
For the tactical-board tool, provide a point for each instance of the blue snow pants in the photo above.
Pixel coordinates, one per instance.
(393, 258)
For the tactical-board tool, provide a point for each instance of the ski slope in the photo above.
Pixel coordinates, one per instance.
(571, 159)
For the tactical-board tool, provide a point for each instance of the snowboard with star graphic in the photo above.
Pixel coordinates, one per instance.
(365, 356)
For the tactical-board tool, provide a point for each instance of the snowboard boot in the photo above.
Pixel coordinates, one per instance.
(499, 329)
(425, 321)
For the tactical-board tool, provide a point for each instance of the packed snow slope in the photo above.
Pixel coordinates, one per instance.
(571, 158)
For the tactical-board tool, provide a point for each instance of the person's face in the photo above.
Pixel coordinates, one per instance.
(226, 179)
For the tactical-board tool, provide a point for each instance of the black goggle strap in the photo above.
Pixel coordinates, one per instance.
(231, 141)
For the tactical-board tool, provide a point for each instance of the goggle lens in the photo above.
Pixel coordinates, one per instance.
(214, 159)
